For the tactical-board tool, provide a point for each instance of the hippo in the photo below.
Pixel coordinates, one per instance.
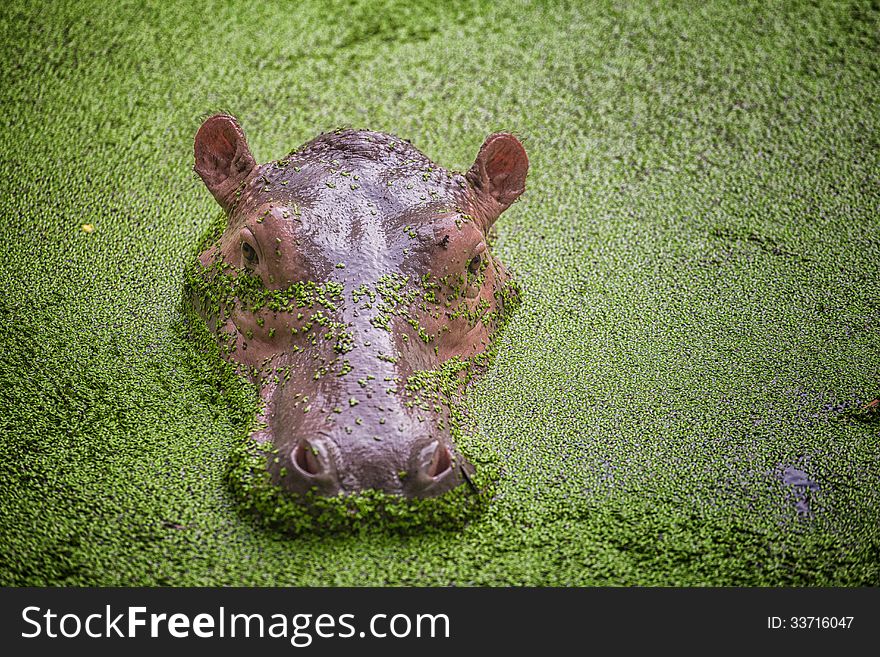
(336, 277)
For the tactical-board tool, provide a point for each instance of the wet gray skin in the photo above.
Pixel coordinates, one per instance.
(399, 246)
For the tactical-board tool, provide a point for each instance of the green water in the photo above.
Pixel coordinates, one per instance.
(677, 399)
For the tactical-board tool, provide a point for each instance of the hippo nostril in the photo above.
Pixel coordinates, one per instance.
(306, 457)
(433, 471)
(312, 466)
(440, 461)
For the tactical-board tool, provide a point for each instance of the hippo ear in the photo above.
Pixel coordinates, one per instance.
(499, 172)
(223, 159)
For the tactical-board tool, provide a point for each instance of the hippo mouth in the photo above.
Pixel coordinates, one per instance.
(449, 509)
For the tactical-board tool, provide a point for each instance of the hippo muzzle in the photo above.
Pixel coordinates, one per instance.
(343, 273)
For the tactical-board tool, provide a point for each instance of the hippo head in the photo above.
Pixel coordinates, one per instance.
(343, 271)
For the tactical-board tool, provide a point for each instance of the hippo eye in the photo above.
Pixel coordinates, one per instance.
(474, 264)
(249, 255)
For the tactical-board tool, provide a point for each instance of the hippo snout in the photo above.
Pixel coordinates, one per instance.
(316, 463)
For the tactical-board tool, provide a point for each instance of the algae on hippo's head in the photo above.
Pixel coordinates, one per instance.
(360, 311)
